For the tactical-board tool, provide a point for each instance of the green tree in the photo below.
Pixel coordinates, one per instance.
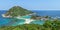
(17, 10)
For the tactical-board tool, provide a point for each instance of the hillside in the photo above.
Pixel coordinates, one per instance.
(17, 11)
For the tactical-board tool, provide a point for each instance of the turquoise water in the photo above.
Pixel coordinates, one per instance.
(19, 22)
(27, 17)
(14, 21)
(9, 21)
(4, 22)
(41, 22)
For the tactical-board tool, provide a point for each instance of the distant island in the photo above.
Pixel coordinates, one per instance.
(17, 11)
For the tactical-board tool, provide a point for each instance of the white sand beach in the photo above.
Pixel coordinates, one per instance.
(27, 21)
(3, 15)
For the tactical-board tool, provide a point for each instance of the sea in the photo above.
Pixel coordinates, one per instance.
(15, 22)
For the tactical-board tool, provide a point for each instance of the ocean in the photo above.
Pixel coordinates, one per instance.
(10, 21)
(52, 13)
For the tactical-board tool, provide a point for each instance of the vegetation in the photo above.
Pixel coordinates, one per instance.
(48, 25)
(47, 17)
(39, 17)
(35, 17)
(17, 11)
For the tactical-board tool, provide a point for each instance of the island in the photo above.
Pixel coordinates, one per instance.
(18, 12)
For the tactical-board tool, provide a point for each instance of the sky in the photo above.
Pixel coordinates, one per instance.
(31, 4)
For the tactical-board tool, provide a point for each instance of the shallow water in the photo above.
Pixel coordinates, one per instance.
(15, 22)
(40, 22)
(9, 21)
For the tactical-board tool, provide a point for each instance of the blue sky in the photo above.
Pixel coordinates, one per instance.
(31, 4)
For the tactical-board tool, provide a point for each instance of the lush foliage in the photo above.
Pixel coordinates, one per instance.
(47, 17)
(48, 25)
(17, 11)
(35, 17)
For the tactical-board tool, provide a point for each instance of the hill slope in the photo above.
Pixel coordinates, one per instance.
(17, 10)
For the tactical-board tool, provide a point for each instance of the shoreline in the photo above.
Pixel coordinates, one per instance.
(3, 15)
(27, 21)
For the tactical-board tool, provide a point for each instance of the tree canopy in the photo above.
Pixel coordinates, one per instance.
(17, 10)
